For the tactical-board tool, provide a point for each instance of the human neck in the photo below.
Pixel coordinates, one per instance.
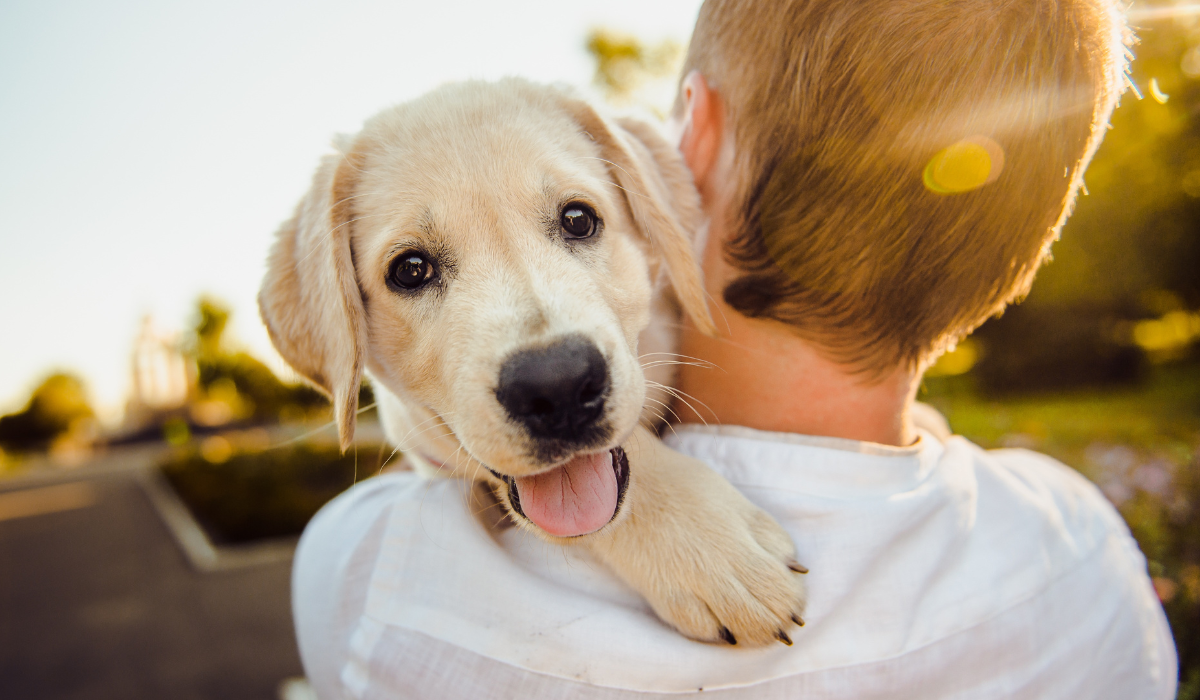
(763, 376)
(760, 374)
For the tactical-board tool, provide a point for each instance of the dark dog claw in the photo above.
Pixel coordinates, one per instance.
(797, 566)
(728, 636)
(782, 636)
(798, 620)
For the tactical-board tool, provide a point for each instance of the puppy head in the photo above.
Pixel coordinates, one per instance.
(488, 251)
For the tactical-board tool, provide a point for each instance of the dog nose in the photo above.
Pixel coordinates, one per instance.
(556, 391)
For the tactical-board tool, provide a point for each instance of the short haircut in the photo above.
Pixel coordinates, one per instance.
(843, 114)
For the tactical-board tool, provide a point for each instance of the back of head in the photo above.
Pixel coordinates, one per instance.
(903, 165)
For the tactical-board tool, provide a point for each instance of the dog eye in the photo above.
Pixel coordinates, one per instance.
(578, 220)
(411, 270)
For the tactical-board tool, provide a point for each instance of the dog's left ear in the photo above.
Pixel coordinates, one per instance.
(661, 196)
(310, 300)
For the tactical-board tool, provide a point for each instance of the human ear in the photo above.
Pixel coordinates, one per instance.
(700, 129)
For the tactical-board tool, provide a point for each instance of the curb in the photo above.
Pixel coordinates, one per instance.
(201, 553)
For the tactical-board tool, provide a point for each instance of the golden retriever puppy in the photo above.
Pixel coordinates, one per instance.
(491, 255)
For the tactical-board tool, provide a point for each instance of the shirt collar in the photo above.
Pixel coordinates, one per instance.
(825, 466)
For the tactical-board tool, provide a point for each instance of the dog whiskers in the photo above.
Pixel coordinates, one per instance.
(660, 363)
(333, 205)
(437, 421)
(658, 418)
(618, 167)
(665, 406)
(476, 469)
(683, 397)
(673, 354)
(658, 414)
(685, 360)
(351, 221)
(333, 230)
(314, 431)
(383, 464)
(661, 421)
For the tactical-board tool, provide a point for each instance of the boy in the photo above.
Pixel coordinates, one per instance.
(879, 178)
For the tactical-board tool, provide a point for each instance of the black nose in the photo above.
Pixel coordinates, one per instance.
(556, 391)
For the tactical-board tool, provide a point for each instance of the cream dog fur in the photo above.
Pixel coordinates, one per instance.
(463, 243)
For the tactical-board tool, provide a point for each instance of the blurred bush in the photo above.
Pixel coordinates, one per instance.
(58, 410)
(241, 491)
(632, 72)
(1039, 348)
(233, 385)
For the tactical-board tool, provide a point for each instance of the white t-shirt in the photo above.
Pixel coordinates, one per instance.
(937, 571)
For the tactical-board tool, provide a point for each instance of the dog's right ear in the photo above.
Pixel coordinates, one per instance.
(659, 190)
(310, 300)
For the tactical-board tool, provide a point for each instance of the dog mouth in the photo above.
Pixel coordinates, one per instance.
(575, 498)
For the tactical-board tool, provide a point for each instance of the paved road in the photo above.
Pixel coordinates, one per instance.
(97, 602)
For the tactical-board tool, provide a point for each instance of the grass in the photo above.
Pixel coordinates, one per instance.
(1160, 417)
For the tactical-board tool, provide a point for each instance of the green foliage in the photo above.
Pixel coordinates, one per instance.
(1131, 250)
(1137, 230)
(56, 405)
(253, 495)
(176, 432)
(625, 65)
(263, 395)
(211, 318)
(248, 386)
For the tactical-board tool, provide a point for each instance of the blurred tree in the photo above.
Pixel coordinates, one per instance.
(629, 70)
(1130, 252)
(1136, 232)
(211, 319)
(235, 385)
(55, 407)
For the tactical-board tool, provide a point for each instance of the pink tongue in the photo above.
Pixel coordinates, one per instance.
(574, 499)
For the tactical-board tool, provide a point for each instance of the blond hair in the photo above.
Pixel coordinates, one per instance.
(904, 165)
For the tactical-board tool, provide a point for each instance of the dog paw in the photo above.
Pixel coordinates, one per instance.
(710, 563)
(734, 582)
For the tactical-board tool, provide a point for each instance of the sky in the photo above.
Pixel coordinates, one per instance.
(149, 150)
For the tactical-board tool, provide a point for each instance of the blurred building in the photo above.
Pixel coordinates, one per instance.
(164, 378)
